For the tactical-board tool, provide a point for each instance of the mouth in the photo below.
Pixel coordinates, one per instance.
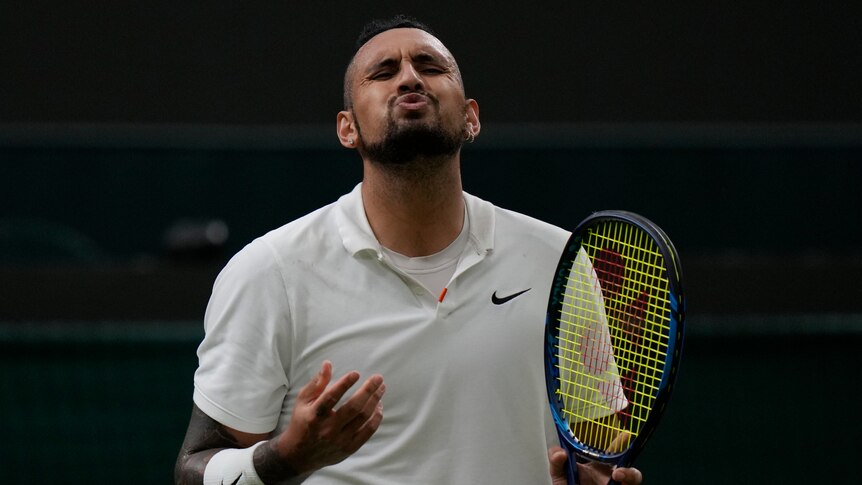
(412, 101)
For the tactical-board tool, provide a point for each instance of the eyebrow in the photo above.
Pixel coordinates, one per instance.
(426, 57)
(421, 57)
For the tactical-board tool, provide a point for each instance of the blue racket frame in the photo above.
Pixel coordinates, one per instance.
(577, 451)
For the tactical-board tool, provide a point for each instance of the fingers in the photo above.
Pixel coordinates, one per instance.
(591, 472)
(557, 458)
(620, 442)
(362, 411)
(323, 432)
(354, 421)
(317, 384)
(627, 476)
(364, 428)
(362, 405)
(322, 397)
(329, 397)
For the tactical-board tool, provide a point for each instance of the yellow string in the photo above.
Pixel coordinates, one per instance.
(644, 277)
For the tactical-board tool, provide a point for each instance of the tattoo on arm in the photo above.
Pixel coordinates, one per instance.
(270, 467)
(204, 438)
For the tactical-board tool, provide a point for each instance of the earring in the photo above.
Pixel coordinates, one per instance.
(471, 137)
(350, 141)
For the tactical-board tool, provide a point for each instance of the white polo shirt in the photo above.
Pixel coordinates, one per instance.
(465, 390)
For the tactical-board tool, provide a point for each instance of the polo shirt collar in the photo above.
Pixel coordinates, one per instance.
(357, 236)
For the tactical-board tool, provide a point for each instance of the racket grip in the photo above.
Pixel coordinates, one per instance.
(571, 469)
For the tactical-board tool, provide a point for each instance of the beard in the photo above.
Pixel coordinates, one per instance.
(414, 145)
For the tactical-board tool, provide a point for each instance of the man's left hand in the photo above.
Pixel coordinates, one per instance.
(592, 473)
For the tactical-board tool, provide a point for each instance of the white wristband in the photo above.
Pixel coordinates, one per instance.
(233, 466)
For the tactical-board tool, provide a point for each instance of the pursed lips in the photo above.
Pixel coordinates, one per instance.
(412, 101)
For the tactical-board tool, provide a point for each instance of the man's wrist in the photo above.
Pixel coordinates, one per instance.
(233, 465)
(273, 467)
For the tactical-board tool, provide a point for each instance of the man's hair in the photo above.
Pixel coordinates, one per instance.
(370, 30)
(378, 26)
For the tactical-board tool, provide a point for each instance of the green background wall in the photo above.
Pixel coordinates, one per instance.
(758, 400)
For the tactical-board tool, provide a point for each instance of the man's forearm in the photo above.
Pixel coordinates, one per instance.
(206, 437)
(190, 469)
(268, 465)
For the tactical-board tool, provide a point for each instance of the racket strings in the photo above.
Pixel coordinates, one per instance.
(613, 336)
(576, 327)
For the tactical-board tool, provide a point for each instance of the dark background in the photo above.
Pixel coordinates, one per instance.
(127, 130)
(281, 62)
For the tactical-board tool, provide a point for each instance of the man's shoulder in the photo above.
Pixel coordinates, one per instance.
(317, 227)
(517, 223)
(308, 233)
(299, 228)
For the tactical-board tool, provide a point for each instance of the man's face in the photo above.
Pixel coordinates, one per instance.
(408, 100)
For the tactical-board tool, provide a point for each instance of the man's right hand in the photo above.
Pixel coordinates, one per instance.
(318, 434)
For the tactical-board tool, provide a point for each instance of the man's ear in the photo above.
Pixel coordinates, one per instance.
(473, 124)
(348, 135)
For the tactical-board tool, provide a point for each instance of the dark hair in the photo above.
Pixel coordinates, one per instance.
(378, 26)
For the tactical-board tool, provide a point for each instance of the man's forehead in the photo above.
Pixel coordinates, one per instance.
(401, 41)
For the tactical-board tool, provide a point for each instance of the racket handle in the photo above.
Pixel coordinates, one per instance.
(571, 469)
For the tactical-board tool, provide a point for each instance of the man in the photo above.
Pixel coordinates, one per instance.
(406, 277)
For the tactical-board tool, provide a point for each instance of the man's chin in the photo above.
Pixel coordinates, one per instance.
(406, 143)
(411, 122)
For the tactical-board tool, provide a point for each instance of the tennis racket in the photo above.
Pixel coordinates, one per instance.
(613, 337)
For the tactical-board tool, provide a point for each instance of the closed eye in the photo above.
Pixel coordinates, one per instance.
(380, 76)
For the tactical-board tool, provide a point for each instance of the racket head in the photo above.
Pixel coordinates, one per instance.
(613, 335)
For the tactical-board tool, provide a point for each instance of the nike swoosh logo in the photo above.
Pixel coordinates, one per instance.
(503, 299)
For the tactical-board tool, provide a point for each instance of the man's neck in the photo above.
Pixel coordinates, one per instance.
(414, 215)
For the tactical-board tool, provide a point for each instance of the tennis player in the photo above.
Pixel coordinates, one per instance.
(406, 278)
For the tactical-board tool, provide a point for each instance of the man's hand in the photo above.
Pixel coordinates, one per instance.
(592, 473)
(319, 435)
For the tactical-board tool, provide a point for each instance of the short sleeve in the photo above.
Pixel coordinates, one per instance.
(241, 380)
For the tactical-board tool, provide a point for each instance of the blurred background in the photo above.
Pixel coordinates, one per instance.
(141, 145)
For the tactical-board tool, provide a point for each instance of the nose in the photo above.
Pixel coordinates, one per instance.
(409, 79)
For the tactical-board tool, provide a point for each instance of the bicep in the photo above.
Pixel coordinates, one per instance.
(204, 438)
